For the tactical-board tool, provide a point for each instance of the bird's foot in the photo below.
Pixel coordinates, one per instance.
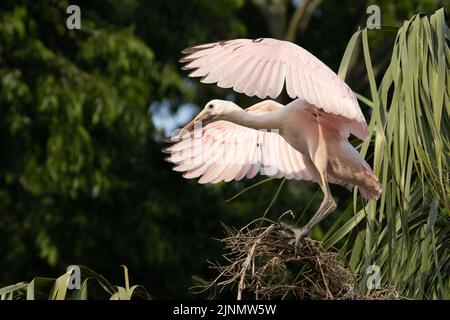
(299, 234)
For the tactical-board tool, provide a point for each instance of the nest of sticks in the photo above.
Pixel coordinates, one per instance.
(261, 263)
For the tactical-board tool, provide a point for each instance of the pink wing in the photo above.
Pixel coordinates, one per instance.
(261, 67)
(224, 151)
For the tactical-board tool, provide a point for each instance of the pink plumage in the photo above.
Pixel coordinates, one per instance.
(306, 77)
(305, 140)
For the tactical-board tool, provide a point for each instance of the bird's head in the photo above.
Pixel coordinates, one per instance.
(213, 111)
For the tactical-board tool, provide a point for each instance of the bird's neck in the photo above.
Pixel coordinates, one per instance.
(267, 121)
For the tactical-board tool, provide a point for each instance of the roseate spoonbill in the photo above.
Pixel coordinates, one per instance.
(305, 140)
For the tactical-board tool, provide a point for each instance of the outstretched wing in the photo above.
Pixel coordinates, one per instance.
(224, 151)
(261, 67)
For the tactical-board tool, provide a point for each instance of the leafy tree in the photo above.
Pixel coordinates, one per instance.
(81, 178)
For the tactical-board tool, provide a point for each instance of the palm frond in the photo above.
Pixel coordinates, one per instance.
(93, 286)
(406, 232)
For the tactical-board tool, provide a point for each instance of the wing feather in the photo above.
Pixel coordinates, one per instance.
(251, 85)
(262, 67)
(224, 151)
(245, 76)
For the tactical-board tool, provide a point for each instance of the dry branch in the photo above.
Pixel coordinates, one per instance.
(262, 262)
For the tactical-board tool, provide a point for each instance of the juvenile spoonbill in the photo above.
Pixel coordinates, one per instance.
(305, 140)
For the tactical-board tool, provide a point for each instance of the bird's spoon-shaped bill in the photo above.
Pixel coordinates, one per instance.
(191, 125)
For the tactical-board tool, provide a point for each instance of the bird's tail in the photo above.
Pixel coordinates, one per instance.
(371, 188)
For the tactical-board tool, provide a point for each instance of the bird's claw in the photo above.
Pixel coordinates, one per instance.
(299, 234)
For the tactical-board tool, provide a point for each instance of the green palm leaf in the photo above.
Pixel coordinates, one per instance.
(93, 286)
(406, 232)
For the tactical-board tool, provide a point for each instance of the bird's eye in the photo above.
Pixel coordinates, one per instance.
(211, 106)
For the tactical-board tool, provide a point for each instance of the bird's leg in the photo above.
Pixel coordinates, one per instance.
(318, 163)
(327, 206)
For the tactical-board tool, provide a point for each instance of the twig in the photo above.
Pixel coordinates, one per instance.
(313, 273)
(249, 258)
(324, 280)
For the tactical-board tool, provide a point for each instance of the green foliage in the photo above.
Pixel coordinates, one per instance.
(406, 232)
(93, 286)
(81, 177)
